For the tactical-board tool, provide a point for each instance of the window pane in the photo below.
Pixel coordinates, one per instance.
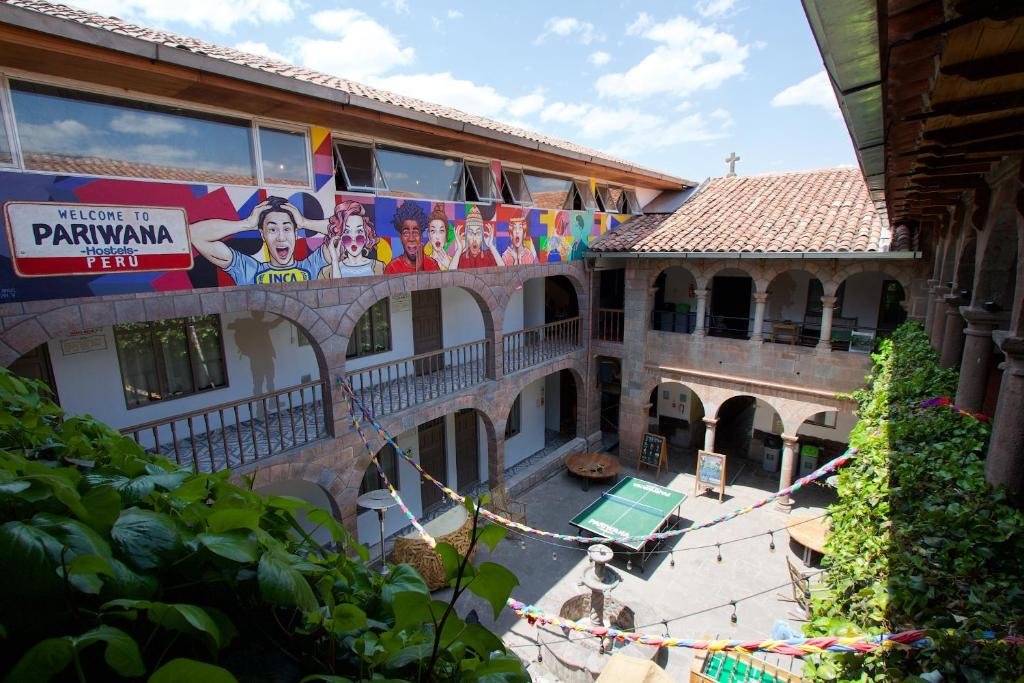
(389, 463)
(283, 155)
(419, 176)
(170, 337)
(207, 354)
(5, 145)
(139, 373)
(70, 132)
(547, 192)
(357, 164)
(381, 326)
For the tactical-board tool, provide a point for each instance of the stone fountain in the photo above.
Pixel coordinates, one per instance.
(580, 658)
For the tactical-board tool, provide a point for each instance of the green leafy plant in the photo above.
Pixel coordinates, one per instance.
(116, 564)
(919, 539)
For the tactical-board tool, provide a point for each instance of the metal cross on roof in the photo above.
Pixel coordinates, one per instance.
(731, 160)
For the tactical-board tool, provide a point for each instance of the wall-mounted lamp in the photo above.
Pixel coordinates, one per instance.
(992, 306)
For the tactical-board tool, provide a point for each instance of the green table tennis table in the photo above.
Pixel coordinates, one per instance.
(633, 507)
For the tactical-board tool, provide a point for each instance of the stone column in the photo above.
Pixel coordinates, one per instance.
(928, 307)
(709, 433)
(825, 338)
(1005, 461)
(953, 339)
(757, 334)
(633, 421)
(938, 330)
(977, 357)
(786, 471)
(702, 300)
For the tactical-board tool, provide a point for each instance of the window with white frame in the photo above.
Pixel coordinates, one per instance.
(514, 189)
(581, 198)
(612, 199)
(284, 157)
(372, 333)
(632, 205)
(170, 359)
(479, 183)
(356, 168)
(416, 175)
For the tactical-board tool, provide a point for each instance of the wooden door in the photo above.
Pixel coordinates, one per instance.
(427, 334)
(467, 449)
(432, 459)
(36, 365)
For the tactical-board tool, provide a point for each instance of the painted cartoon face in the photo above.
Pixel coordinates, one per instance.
(437, 233)
(279, 235)
(517, 230)
(475, 237)
(353, 235)
(411, 237)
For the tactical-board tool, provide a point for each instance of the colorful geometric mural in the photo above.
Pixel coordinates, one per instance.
(97, 231)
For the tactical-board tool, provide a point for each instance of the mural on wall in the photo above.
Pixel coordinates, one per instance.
(89, 236)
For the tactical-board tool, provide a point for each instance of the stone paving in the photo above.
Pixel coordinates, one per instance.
(693, 595)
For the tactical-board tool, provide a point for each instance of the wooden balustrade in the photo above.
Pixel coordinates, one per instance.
(239, 432)
(528, 347)
(610, 324)
(396, 385)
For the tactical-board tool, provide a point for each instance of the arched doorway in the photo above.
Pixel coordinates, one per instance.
(793, 309)
(543, 417)
(677, 413)
(746, 427)
(732, 304)
(675, 301)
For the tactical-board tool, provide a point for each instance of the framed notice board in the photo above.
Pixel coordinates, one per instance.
(710, 473)
(653, 453)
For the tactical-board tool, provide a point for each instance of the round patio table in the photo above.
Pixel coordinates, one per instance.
(590, 466)
(810, 533)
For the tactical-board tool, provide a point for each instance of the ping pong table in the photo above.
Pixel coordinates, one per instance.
(633, 507)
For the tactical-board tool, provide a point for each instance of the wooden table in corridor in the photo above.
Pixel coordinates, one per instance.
(809, 532)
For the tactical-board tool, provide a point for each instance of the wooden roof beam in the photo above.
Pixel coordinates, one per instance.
(1005, 64)
(971, 133)
(985, 104)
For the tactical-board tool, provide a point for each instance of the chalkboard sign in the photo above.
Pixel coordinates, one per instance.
(710, 473)
(653, 453)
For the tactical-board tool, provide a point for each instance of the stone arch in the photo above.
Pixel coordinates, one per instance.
(672, 283)
(742, 268)
(513, 385)
(736, 423)
(784, 302)
(696, 426)
(311, 492)
(999, 246)
(703, 393)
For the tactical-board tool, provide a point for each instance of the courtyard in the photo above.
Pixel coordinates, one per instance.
(693, 596)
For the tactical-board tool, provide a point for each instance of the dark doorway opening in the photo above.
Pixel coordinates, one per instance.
(612, 292)
(730, 306)
(467, 449)
(432, 459)
(567, 404)
(36, 365)
(560, 301)
(735, 426)
(609, 382)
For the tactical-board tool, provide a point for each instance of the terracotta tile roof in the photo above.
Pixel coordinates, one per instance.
(827, 210)
(61, 163)
(115, 25)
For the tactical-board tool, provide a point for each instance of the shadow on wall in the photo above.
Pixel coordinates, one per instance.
(252, 338)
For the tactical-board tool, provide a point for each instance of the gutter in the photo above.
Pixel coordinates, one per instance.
(758, 255)
(70, 29)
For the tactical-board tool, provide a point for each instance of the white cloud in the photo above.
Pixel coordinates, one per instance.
(689, 57)
(454, 14)
(642, 22)
(715, 8)
(140, 124)
(584, 31)
(563, 113)
(813, 91)
(527, 104)
(397, 6)
(261, 49)
(53, 137)
(221, 16)
(599, 58)
(443, 88)
(362, 49)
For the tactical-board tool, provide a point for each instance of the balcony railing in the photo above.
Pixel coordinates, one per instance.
(609, 324)
(526, 348)
(239, 432)
(396, 385)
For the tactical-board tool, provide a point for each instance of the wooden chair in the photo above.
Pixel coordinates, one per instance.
(507, 507)
(802, 591)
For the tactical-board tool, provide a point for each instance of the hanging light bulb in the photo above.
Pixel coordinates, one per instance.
(629, 565)
(540, 654)
(733, 617)
(672, 559)
(554, 555)
(718, 546)
(771, 545)
(522, 544)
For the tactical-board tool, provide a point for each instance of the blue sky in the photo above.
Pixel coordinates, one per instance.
(675, 86)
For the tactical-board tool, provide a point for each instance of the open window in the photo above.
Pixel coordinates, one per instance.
(356, 168)
(549, 192)
(480, 184)
(514, 189)
(632, 205)
(580, 197)
(417, 175)
(612, 199)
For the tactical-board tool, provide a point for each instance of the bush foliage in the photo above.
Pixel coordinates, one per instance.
(919, 539)
(116, 564)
